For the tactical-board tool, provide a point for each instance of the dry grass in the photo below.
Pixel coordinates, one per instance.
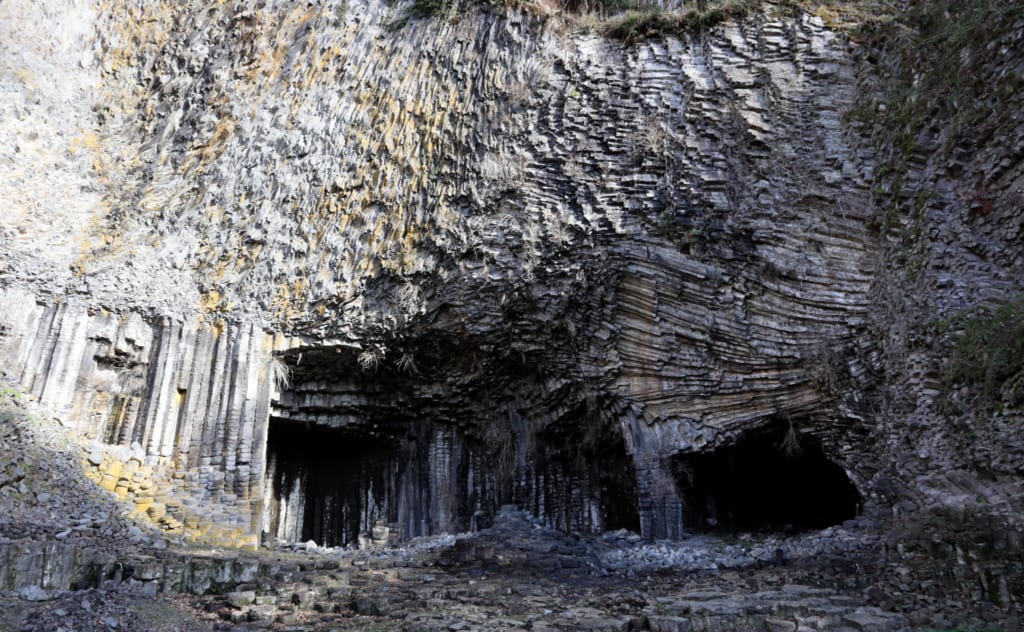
(279, 372)
(370, 359)
(827, 368)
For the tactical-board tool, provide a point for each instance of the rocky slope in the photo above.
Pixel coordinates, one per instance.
(316, 268)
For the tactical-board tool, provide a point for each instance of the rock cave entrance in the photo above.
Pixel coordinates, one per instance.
(327, 485)
(349, 449)
(332, 486)
(582, 478)
(771, 480)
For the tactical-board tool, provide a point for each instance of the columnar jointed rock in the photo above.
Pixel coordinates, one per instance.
(518, 262)
(534, 237)
(189, 398)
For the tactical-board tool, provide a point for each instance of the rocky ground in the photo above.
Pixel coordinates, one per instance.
(44, 493)
(72, 560)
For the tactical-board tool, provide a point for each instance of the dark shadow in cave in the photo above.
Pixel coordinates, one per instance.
(339, 484)
(432, 466)
(584, 471)
(771, 480)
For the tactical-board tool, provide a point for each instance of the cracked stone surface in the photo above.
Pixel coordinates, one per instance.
(515, 262)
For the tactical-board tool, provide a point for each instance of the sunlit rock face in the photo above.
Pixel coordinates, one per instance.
(333, 271)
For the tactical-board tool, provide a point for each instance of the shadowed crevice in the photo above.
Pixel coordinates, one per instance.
(771, 480)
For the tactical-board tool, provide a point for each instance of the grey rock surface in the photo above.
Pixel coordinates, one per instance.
(514, 262)
(554, 229)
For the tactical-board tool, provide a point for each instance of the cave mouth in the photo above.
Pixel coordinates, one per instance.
(350, 449)
(333, 486)
(584, 479)
(771, 480)
(327, 485)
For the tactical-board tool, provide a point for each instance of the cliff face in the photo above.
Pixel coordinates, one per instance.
(949, 189)
(328, 269)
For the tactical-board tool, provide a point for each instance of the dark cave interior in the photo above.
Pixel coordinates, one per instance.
(773, 479)
(346, 481)
(349, 448)
(331, 485)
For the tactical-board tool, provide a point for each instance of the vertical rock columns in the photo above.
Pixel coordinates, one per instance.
(192, 398)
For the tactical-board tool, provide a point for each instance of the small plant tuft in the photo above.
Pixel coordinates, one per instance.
(406, 362)
(828, 368)
(279, 372)
(341, 12)
(370, 359)
(990, 349)
(790, 445)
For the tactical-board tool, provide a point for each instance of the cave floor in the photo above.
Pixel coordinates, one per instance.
(520, 576)
(514, 575)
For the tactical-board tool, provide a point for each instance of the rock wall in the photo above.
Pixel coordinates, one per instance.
(184, 399)
(949, 196)
(491, 246)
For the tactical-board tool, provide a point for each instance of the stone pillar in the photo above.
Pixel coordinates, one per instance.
(661, 509)
(658, 501)
(443, 462)
(201, 411)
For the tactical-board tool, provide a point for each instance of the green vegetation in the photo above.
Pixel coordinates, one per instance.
(431, 8)
(14, 394)
(638, 25)
(990, 350)
(942, 46)
(935, 97)
(931, 61)
(628, 21)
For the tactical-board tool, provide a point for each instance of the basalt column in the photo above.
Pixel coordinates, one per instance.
(189, 400)
(353, 446)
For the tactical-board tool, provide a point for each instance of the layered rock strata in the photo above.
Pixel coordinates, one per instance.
(485, 259)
